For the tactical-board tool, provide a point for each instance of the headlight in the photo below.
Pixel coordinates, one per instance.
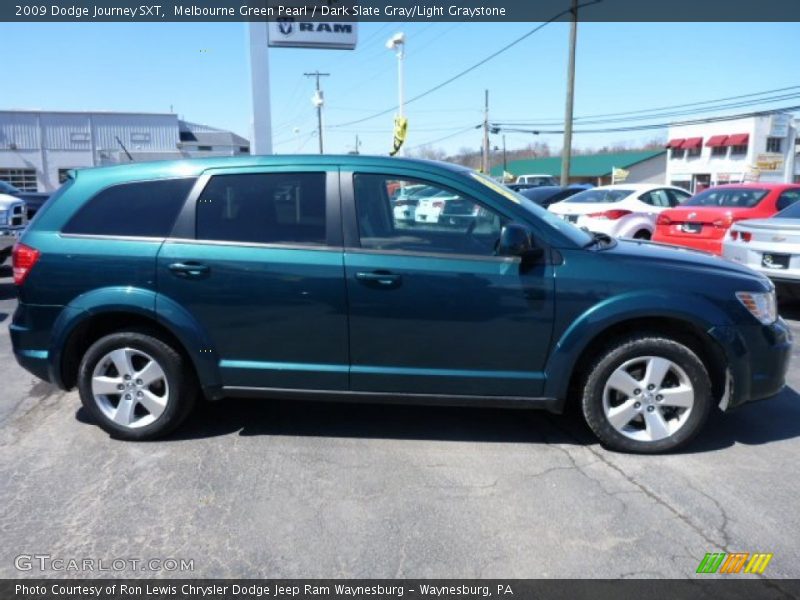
(762, 305)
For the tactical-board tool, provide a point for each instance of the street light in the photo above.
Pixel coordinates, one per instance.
(398, 43)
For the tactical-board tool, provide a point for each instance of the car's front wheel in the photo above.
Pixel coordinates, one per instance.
(647, 394)
(135, 385)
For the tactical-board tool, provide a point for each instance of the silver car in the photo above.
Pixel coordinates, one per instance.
(771, 246)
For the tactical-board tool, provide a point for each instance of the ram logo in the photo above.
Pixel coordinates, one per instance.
(285, 26)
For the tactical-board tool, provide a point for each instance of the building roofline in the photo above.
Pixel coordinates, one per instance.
(85, 112)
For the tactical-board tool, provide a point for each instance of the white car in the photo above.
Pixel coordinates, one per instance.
(771, 246)
(430, 208)
(625, 210)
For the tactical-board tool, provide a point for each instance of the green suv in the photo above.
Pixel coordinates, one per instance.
(147, 286)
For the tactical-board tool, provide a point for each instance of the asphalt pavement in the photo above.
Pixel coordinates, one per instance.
(252, 488)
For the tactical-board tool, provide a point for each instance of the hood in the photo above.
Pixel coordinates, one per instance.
(678, 256)
(7, 201)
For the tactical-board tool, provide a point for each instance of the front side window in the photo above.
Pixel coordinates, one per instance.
(138, 209)
(415, 216)
(657, 198)
(677, 197)
(264, 208)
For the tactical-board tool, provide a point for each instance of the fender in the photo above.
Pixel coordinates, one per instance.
(625, 307)
(142, 302)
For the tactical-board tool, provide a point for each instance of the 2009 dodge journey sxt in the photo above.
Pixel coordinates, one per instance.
(147, 285)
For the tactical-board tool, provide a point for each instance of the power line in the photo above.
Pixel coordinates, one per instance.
(447, 137)
(472, 68)
(664, 125)
(556, 121)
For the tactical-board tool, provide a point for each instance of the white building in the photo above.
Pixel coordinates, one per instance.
(37, 148)
(760, 148)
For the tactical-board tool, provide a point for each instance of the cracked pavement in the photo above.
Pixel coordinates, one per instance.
(279, 489)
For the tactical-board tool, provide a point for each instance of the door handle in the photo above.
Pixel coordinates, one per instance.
(189, 269)
(382, 278)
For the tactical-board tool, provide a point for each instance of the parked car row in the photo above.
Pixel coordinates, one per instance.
(756, 224)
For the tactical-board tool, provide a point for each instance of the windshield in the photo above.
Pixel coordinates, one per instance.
(791, 212)
(728, 197)
(578, 236)
(599, 196)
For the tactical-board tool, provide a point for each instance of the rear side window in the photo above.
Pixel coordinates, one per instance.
(265, 208)
(143, 208)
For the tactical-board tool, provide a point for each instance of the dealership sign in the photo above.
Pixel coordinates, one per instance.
(769, 161)
(293, 33)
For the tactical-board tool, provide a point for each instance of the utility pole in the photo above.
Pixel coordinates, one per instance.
(566, 153)
(318, 101)
(485, 161)
(505, 163)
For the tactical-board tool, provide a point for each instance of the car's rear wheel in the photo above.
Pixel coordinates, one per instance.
(135, 385)
(647, 394)
(642, 235)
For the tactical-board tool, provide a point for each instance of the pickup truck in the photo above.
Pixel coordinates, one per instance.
(535, 179)
(33, 200)
(13, 220)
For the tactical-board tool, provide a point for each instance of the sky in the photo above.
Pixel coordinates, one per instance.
(201, 72)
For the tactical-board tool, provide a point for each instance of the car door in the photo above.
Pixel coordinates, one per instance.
(432, 309)
(256, 261)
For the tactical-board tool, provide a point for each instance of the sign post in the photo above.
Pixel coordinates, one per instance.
(261, 142)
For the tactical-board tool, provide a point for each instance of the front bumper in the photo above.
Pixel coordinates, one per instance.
(757, 357)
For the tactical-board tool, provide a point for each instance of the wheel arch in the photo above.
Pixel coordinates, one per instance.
(592, 334)
(89, 319)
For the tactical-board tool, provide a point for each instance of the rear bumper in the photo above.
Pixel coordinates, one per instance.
(707, 245)
(758, 359)
(30, 331)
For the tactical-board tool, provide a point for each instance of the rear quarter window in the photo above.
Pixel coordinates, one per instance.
(142, 209)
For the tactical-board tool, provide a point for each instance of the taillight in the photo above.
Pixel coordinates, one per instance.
(611, 215)
(724, 222)
(663, 220)
(746, 236)
(734, 235)
(23, 259)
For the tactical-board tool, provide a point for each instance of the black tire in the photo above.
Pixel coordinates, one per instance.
(642, 235)
(627, 350)
(180, 391)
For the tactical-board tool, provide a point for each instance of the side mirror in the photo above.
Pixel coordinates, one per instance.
(516, 240)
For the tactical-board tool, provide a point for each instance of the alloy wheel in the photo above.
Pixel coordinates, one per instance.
(130, 387)
(648, 398)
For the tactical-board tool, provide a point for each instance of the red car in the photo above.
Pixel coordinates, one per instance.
(703, 220)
